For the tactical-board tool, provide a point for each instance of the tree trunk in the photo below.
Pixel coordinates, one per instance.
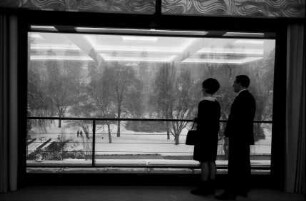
(176, 139)
(119, 116)
(61, 114)
(118, 129)
(168, 131)
(109, 134)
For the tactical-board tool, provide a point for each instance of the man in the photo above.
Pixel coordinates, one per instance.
(239, 130)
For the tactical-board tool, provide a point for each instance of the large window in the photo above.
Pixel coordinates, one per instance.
(127, 98)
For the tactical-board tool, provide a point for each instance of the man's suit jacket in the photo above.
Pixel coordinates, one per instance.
(240, 121)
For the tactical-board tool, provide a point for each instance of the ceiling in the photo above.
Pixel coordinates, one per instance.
(148, 46)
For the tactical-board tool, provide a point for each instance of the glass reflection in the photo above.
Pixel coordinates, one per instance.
(129, 76)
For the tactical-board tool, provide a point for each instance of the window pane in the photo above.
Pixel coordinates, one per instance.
(138, 77)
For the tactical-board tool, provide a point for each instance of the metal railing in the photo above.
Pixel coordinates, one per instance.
(94, 124)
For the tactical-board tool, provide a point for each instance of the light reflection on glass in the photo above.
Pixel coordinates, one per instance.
(83, 73)
(146, 48)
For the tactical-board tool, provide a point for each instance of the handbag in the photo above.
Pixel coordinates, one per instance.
(192, 136)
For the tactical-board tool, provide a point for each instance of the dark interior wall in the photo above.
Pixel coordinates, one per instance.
(279, 111)
(221, 24)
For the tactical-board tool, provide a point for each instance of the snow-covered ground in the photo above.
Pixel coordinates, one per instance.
(149, 148)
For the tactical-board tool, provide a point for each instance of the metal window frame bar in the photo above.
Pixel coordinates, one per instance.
(125, 119)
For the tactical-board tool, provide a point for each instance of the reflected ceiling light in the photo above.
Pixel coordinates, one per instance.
(223, 61)
(187, 44)
(90, 41)
(196, 33)
(93, 29)
(35, 35)
(231, 51)
(137, 49)
(139, 38)
(253, 42)
(243, 34)
(62, 58)
(152, 48)
(139, 59)
(53, 47)
(139, 31)
(43, 28)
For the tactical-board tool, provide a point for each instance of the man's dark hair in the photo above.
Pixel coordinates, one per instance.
(210, 85)
(243, 80)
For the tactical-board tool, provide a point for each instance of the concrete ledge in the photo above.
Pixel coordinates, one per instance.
(135, 163)
(129, 170)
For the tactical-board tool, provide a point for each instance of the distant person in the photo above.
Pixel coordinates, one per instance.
(239, 130)
(78, 133)
(205, 151)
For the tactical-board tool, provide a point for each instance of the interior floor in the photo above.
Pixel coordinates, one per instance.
(131, 193)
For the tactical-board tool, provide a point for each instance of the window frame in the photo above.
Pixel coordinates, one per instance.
(158, 21)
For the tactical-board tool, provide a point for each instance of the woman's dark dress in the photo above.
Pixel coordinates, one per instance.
(208, 127)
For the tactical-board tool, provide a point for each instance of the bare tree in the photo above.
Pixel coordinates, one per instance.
(184, 103)
(124, 82)
(163, 96)
(39, 103)
(174, 94)
(62, 84)
(101, 93)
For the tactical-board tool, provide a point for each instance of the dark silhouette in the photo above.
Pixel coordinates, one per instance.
(205, 151)
(239, 130)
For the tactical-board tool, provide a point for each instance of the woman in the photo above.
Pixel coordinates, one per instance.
(205, 151)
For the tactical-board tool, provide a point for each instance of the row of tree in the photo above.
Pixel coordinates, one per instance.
(141, 90)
